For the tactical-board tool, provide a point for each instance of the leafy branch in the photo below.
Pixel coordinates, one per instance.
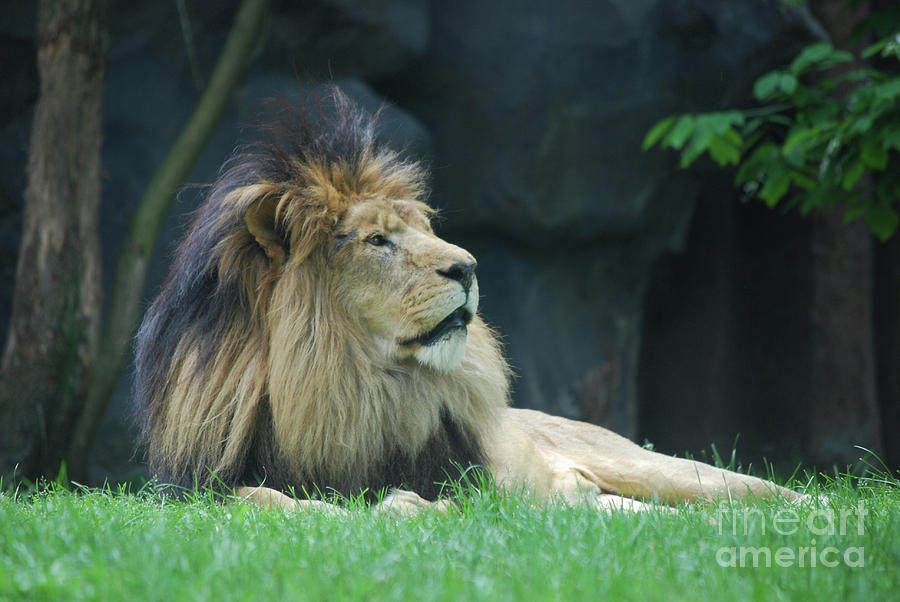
(816, 136)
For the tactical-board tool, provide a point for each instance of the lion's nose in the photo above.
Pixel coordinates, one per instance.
(464, 273)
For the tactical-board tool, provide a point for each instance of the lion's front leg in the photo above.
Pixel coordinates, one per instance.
(265, 497)
(400, 502)
(609, 501)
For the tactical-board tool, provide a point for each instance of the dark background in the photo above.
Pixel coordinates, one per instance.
(629, 293)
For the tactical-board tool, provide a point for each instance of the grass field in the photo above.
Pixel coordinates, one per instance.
(102, 545)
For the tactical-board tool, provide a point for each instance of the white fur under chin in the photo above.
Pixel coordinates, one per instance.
(446, 354)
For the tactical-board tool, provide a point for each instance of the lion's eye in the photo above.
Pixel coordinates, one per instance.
(377, 240)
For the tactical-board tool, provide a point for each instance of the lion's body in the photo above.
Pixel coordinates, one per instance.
(314, 334)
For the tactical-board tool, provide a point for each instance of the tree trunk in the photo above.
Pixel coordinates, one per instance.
(887, 316)
(53, 329)
(845, 402)
(125, 303)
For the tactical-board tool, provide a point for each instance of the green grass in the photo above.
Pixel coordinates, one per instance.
(98, 545)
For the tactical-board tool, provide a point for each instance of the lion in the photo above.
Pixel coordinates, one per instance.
(315, 335)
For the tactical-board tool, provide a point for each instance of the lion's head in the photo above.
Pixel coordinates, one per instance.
(413, 293)
(314, 330)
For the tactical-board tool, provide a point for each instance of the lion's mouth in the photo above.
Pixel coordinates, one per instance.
(460, 318)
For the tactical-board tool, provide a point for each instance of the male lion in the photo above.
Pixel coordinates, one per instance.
(314, 334)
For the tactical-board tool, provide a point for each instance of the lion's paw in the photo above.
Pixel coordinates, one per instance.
(400, 502)
(610, 502)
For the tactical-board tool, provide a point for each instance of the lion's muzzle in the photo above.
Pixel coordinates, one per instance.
(458, 320)
(462, 272)
(443, 346)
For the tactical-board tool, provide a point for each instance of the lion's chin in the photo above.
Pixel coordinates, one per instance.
(446, 354)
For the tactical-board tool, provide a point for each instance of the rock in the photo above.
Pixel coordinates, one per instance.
(537, 112)
(347, 38)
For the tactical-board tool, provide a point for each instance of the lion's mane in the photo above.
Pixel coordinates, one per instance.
(247, 369)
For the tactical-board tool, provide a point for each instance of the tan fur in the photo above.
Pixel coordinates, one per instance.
(269, 498)
(580, 463)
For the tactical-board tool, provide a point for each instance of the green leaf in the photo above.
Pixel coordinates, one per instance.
(797, 136)
(888, 90)
(733, 138)
(753, 125)
(852, 175)
(874, 156)
(775, 188)
(861, 75)
(841, 56)
(788, 83)
(722, 121)
(690, 154)
(882, 221)
(810, 56)
(757, 164)
(723, 151)
(804, 181)
(892, 48)
(798, 141)
(890, 137)
(819, 56)
(681, 131)
(861, 125)
(704, 130)
(766, 86)
(657, 132)
(855, 212)
(875, 48)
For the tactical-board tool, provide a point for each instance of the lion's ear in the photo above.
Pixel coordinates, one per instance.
(260, 219)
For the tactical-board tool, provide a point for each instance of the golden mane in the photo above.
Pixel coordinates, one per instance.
(248, 362)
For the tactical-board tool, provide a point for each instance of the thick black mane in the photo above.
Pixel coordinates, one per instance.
(443, 459)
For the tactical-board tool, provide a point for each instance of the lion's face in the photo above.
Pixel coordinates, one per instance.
(415, 293)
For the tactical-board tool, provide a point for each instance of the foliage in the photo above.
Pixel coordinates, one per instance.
(827, 122)
(103, 545)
